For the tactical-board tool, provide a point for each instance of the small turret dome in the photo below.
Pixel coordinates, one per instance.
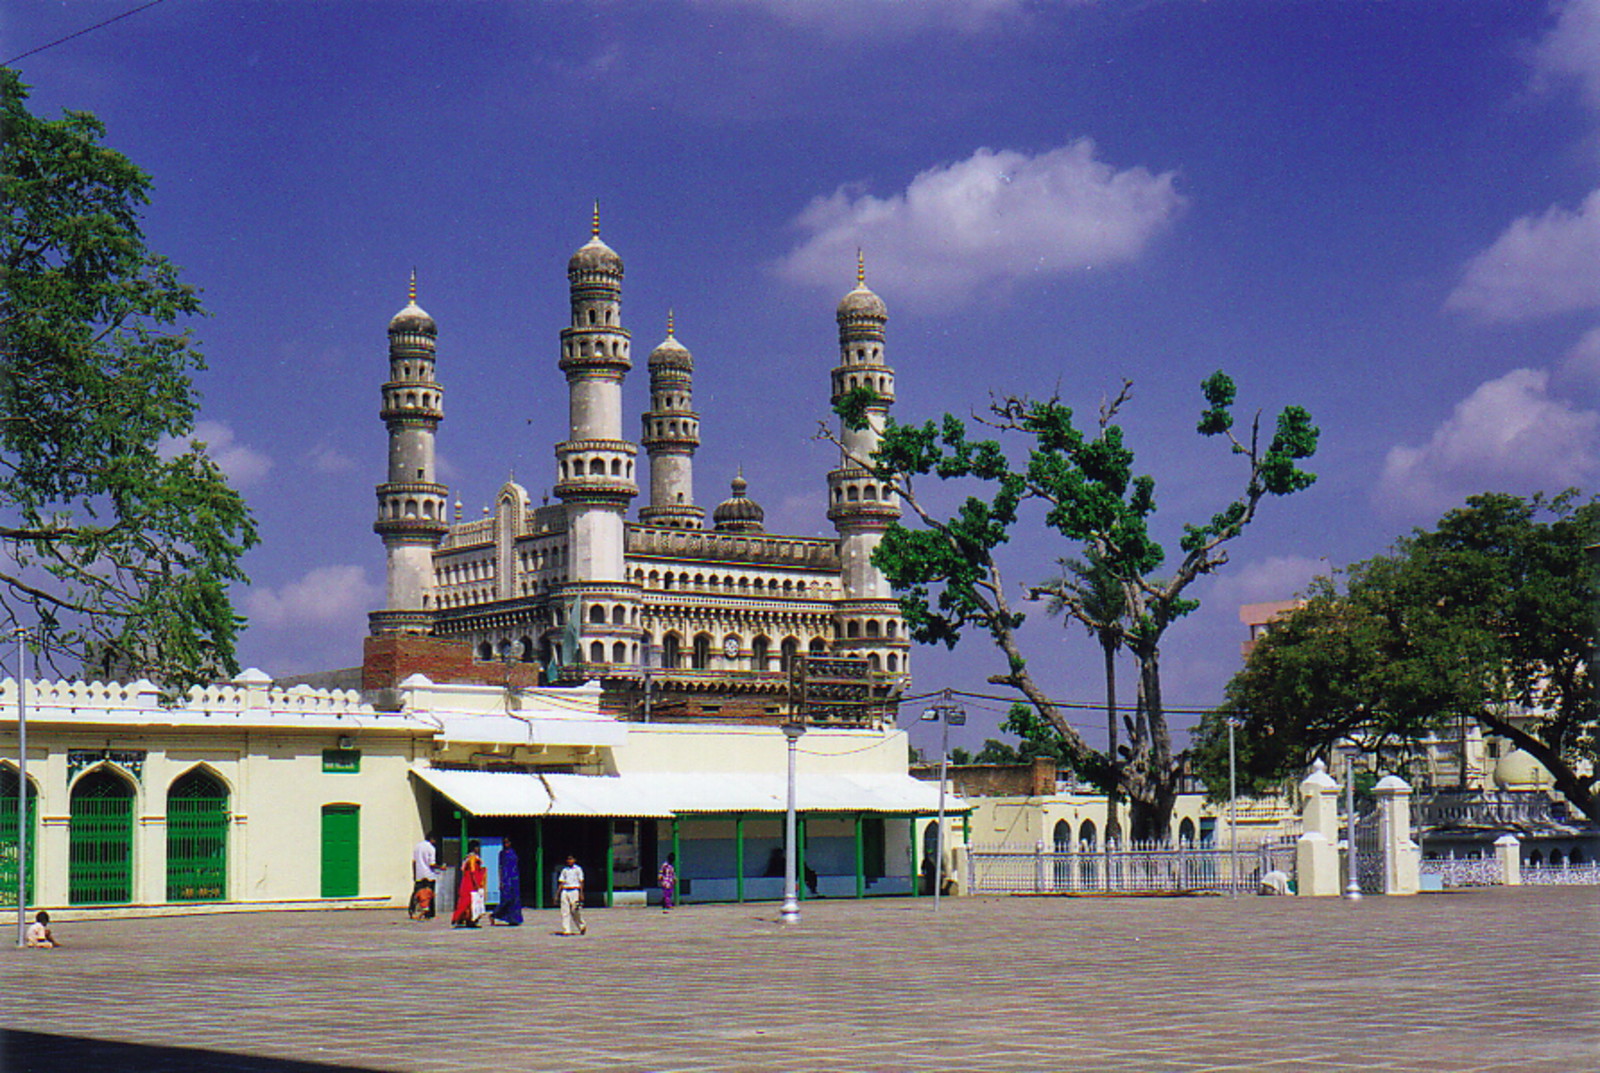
(413, 319)
(595, 256)
(862, 302)
(671, 352)
(739, 513)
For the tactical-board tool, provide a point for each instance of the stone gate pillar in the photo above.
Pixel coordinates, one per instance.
(1402, 858)
(1508, 852)
(1316, 856)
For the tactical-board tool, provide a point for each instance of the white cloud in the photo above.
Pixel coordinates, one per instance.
(990, 220)
(853, 17)
(1508, 435)
(1541, 265)
(326, 458)
(1582, 362)
(327, 595)
(1277, 578)
(1572, 48)
(242, 465)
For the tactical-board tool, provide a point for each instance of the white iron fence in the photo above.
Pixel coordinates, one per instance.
(1139, 869)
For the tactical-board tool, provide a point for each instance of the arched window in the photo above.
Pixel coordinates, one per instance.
(619, 652)
(701, 659)
(852, 629)
(894, 663)
(872, 627)
(597, 653)
(597, 614)
(619, 616)
(671, 652)
(1186, 832)
(616, 467)
(485, 652)
(526, 650)
(8, 835)
(872, 661)
(100, 840)
(597, 467)
(197, 838)
(818, 647)
(787, 653)
(760, 654)
(1087, 835)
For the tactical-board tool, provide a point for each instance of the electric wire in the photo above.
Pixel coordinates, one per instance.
(80, 33)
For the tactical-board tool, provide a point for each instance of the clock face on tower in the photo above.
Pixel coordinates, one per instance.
(730, 647)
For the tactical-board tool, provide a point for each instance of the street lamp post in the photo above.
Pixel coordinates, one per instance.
(1233, 817)
(22, 787)
(948, 715)
(790, 913)
(1352, 887)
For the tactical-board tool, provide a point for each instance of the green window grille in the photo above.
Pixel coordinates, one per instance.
(197, 839)
(100, 840)
(8, 838)
(341, 851)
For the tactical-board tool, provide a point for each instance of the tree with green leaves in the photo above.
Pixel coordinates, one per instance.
(947, 574)
(1487, 618)
(119, 542)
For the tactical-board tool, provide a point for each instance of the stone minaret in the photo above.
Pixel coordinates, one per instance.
(671, 434)
(596, 478)
(411, 503)
(860, 506)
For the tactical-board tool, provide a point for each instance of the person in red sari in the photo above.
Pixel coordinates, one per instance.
(470, 896)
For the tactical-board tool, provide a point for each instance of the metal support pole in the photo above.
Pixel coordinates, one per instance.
(1352, 887)
(1233, 817)
(677, 856)
(944, 772)
(22, 788)
(790, 912)
(861, 860)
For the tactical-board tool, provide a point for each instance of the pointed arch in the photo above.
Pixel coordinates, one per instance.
(100, 837)
(197, 836)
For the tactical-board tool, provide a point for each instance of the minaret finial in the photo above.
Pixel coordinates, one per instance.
(669, 320)
(594, 228)
(411, 288)
(861, 268)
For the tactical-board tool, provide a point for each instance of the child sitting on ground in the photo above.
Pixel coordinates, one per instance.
(39, 933)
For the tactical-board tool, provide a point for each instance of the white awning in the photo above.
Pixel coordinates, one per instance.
(661, 795)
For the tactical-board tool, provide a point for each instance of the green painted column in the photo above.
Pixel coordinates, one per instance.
(538, 864)
(916, 865)
(800, 856)
(738, 858)
(861, 860)
(677, 852)
(611, 852)
(966, 828)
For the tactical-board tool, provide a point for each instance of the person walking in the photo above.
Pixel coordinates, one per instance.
(425, 870)
(667, 880)
(569, 885)
(470, 897)
(508, 910)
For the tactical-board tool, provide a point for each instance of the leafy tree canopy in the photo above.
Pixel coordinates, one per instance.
(1488, 617)
(947, 576)
(117, 551)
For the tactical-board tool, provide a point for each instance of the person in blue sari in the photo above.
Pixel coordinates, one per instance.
(509, 909)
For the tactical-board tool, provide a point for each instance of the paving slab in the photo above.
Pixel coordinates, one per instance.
(1483, 980)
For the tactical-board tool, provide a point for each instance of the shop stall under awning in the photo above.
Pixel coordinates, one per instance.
(662, 795)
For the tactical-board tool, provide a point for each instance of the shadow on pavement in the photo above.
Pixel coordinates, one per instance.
(37, 1052)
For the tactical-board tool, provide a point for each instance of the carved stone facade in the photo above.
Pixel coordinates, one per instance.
(675, 620)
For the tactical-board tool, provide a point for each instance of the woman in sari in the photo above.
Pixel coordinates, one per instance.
(470, 895)
(509, 909)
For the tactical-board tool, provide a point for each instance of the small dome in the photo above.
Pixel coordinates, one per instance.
(413, 318)
(595, 256)
(671, 352)
(862, 302)
(739, 513)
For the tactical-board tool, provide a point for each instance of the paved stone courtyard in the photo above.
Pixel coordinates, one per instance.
(1499, 979)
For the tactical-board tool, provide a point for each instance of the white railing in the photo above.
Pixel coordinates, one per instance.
(1562, 875)
(1154, 869)
(1464, 871)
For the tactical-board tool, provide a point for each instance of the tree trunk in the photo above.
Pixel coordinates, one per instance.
(1111, 726)
(1150, 777)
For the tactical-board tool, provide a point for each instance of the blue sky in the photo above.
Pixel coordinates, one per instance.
(1386, 212)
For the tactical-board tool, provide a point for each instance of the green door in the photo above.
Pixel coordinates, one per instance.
(8, 838)
(197, 838)
(341, 851)
(100, 840)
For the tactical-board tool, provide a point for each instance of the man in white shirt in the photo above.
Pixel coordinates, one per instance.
(569, 882)
(425, 870)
